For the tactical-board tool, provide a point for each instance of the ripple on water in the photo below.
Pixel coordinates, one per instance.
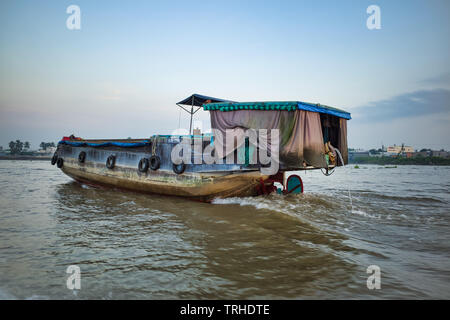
(317, 244)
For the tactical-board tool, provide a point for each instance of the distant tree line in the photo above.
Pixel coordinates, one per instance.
(45, 145)
(419, 160)
(17, 147)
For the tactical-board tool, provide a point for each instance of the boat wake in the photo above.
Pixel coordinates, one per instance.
(307, 208)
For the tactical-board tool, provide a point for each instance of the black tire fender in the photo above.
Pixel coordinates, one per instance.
(143, 165)
(82, 157)
(60, 162)
(54, 159)
(179, 168)
(111, 162)
(155, 162)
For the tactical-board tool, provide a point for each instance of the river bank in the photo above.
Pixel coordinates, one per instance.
(429, 161)
(25, 157)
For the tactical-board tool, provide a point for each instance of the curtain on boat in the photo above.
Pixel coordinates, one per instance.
(300, 134)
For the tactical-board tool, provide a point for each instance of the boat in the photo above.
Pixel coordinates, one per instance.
(252, 149)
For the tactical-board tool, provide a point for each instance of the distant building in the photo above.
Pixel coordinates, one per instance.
(49, 150)
(432, 153)
(441, 154)
(422, 154)
(399, 149)
(197, 132)
(376, 154)
(353, 155)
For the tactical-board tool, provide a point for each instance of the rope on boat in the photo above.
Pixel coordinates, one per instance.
(326, 173)
(154, 141)
(342, 162)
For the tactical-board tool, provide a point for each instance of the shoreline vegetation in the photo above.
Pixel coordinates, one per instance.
(24, 157)
(19, 150)
(421, 161)
(424, 161)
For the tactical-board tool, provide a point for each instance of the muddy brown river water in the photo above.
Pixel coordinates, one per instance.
(313, 245)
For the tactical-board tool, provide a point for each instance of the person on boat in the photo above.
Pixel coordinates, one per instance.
(331, 152)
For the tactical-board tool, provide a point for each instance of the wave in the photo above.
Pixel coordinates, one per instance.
(312, 209)
(399, 198)
(4, 295)
(365, 214)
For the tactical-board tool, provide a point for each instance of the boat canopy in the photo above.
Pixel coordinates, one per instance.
(198, 100)
(277, 105)
(305, 129)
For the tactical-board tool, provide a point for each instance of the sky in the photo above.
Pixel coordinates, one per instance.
(122, 72)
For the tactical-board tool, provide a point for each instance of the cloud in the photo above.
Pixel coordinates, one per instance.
(443, 78)
(419, 132)
(414, 104)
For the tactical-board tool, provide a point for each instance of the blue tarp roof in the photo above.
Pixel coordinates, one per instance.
(278, 105)
(105, 144)
(198, 100)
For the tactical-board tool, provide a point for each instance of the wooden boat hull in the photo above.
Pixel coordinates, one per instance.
(192, 185)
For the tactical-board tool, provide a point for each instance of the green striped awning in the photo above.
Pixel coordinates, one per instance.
(276, 105)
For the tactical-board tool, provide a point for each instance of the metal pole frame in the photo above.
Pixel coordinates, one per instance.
(191, 112)
(192, 115)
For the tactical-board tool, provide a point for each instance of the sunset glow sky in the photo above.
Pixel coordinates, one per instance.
(122, 73)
